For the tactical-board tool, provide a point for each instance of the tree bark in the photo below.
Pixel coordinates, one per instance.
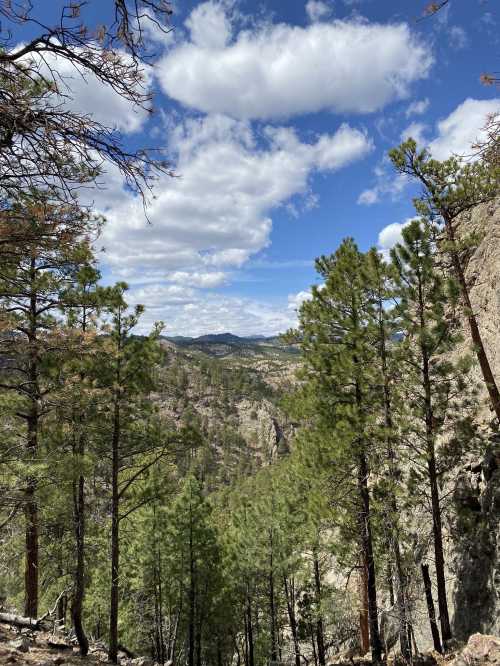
(251, 659)
(115, 536)
(432, 474)
(366, 539)
(364, 625)
(79, 591)
(272, 610)
(394, 474)
(476, 337)
(31, 514)
(18, 621)
(290, 604)
(31, 506)
(430, 608)
(320, 635)
(192, 597)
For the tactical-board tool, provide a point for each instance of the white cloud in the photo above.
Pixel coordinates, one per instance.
(194, 313)
(462, 128)
(418, 107)
(368, 197)
(217, 213)
(456, 135)
(296, 300)
(317, 10)
(390, 236)
(458, 37)
(209, 26)
(414, 131)
(82, 92)
(197, 279)
(387, 184)
(280, 70)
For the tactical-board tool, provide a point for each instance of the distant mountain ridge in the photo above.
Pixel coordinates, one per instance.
(228, 344)
(221, 338)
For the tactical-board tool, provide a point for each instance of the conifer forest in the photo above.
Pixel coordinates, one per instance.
(321, 485)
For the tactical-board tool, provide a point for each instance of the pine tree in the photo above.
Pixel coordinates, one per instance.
(433, 383)
(450, 189)
(192, 542)
(84, 303)
(44, 247)
(380, 279)
(339, 358)
(126, 374)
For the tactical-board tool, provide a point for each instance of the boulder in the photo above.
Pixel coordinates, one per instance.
(481, 650)
(22, 644)
(142, 661)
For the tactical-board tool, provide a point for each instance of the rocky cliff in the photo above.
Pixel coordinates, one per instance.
(475, 552)
(230, 389)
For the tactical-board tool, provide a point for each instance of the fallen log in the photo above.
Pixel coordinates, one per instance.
(57, 645)
(19, 621)
(36, 624)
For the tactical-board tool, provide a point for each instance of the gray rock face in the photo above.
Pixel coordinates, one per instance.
(477, 547)
(481, 650)
(476, 538)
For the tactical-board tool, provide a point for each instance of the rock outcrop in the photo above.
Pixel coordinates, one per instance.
(475, 555)
(481, 650)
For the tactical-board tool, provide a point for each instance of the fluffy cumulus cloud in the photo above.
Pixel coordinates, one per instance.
(414, 131)
(189, 312)
(216, 214)
(197, 279)
(390, 236)
(388, 184)
(317, 10)
(209, 26)
(417, 108)
(281, 70)
(454, 135)
(82, 92)
(296, 300)
(457, 132)
(214, 217)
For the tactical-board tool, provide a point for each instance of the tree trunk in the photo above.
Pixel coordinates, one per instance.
(438, 551)
(198, 641)
(435, 507)
(79, 579)
(366, 540)
(430, 608)
(320, 636)
(432, 474)
(364, 625)
(251, 661)
(32, 422)
(192, 597)
(313, 644)
(23, 622)
(394, 478)
(245, 646)
(31, 514)
(290, 604)
(272, 610)
(115, 543)
(477, 340)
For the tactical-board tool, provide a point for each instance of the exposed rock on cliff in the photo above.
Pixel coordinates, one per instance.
(476, 542)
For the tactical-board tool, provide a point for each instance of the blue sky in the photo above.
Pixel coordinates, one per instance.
(278, 121)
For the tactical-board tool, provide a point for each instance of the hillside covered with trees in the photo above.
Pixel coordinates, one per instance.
(330, 493)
